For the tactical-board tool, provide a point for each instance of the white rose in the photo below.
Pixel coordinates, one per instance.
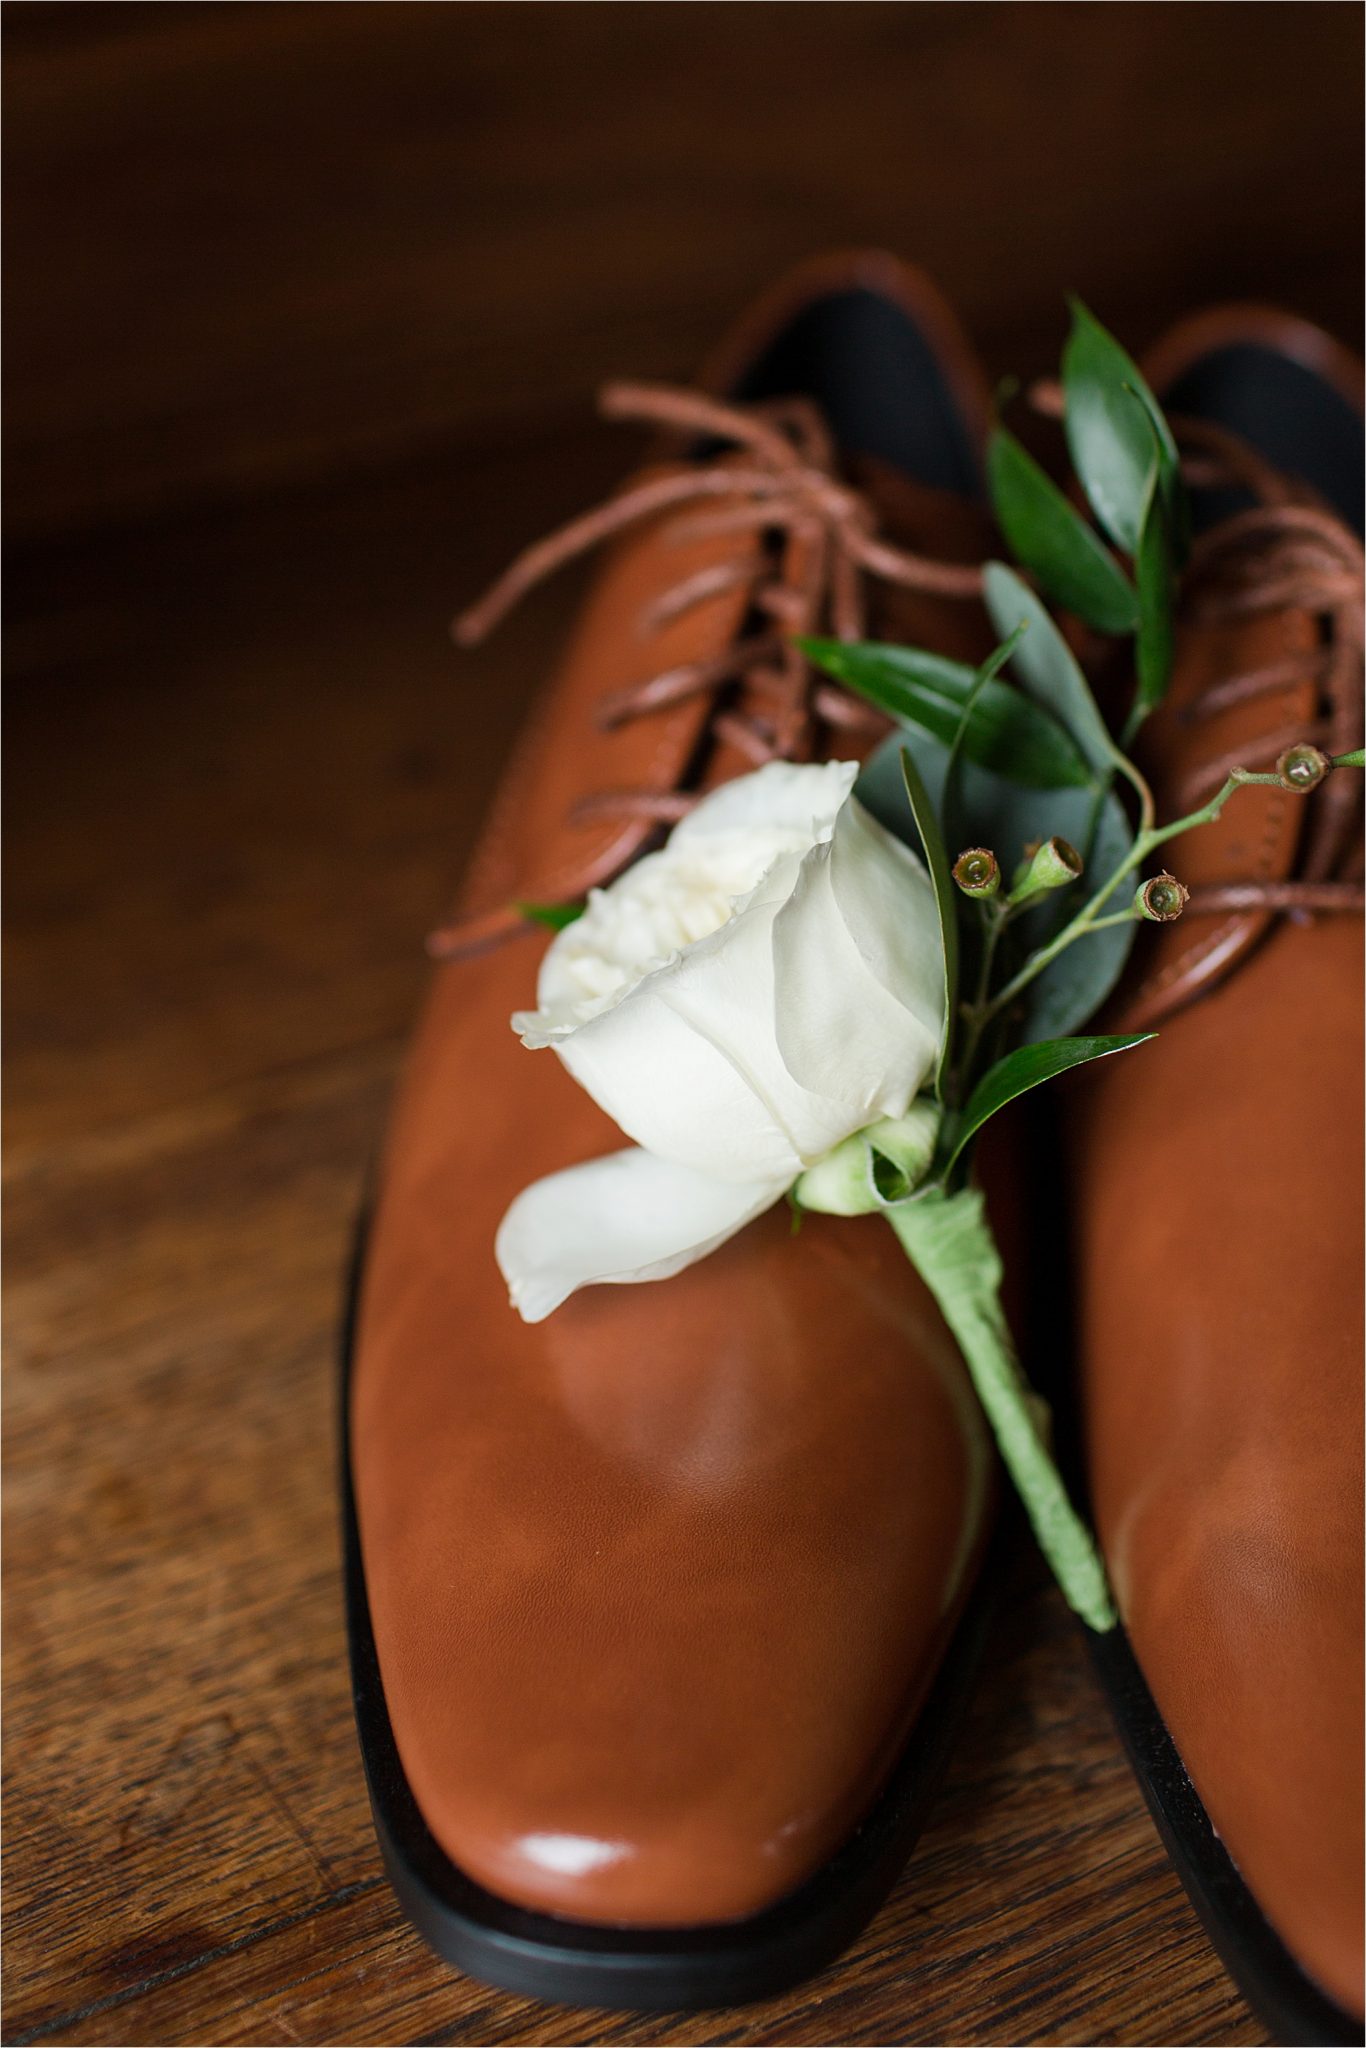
(741, 1002)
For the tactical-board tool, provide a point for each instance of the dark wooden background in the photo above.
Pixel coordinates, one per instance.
(305, 307)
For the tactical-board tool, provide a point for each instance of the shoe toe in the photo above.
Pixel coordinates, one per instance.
(656, 1585)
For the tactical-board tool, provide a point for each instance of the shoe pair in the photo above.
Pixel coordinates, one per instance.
(664, 1608)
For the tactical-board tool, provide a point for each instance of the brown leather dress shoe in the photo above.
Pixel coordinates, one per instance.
(661, 1607)
(1219, 1205)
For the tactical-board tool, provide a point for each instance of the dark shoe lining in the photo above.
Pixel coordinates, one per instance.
(879, 384)
(1294, 417)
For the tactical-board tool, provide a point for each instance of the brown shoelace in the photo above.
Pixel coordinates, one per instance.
(781, 470)
(1287, 552)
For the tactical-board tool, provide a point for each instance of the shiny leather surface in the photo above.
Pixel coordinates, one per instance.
(1221, 1223)
(534, 846)
(656, 1585)
(1259, 834)
(1219, 1202)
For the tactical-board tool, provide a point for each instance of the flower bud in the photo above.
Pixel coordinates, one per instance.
(1161, 899)
(1303, 768)
(878, 1165)
(841, 1184)
(1050, 866)
(977, 872)
(903, 1148)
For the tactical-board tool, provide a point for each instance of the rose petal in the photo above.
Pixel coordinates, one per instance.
(858, 1004)
(626, 1217)
(652, 1064)
(725, 989)
(782, 795)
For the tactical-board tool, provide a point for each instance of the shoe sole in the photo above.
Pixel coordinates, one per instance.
(638, 1969)
(1293, 2006)
(1262, 1967)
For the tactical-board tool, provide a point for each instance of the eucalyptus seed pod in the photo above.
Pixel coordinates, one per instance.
(977, 872)
(1050, 866)
(1303, 768)
(1161, 899)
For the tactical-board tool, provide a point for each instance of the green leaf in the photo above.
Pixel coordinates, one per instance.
(1029, 1066)
(945, 896)
(1047, 667)
(983, 679)
(853, 661)
(999, 814)
(554, 916)
(1108, 429)
(951, 812)
(1173, 483)
(1003, 730)
(1156, 571)
(1072, 988)
(1055, 542)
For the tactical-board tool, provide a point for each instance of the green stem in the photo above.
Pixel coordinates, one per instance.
(1147, 809)
(1101, 924)
(995, 917)
(1146, 842)
(949, 1242)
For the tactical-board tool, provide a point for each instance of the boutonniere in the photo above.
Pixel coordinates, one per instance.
(829, 980)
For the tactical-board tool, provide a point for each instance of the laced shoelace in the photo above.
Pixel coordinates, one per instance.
(1287, 552)
(779, 482)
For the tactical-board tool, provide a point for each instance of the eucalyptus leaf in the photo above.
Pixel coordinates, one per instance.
(1156, 571)
(1072, 987)
(1029, 1066)
(983, 679)
(1109, 435)
(951, 812)
(1049, 537)
(881, 787)
(554, 916)
(1001, 815)
(1047, 666)
(1002, 729)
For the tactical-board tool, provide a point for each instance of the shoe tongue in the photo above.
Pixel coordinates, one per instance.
(944, 526)
(923, 520)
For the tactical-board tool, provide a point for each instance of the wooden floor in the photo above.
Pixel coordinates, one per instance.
(305, 305)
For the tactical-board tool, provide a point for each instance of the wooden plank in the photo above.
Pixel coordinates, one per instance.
(253, 244)
(242, 769)
(307, 300)
(1007, 1926)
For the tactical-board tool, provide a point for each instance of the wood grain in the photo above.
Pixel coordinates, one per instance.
(307, 300)
(255, 244)
(230, 825)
